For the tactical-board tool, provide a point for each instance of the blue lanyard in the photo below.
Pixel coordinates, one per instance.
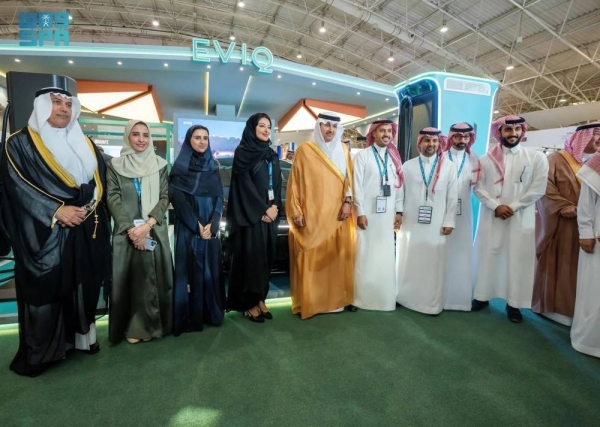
(427, 182)
(270, 173)
(462, 164)
(138, 189)
(383, 172)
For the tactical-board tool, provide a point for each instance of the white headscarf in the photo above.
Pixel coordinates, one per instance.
(145, 165)
(333, 149)
(68, 145)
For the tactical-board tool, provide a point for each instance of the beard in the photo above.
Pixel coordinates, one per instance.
(510, 145)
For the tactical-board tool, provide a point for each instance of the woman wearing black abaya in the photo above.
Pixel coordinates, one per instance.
(196, 193)
(252, 213)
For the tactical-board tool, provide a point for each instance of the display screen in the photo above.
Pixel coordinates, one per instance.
(224, 135)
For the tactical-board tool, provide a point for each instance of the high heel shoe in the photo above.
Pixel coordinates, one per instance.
(257, 319)
(266, 315)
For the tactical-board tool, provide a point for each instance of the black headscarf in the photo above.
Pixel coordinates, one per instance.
(196, 173)
(251, 150)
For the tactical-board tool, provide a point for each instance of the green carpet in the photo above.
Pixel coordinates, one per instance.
(349, 369)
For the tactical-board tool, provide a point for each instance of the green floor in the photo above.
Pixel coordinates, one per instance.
(350, 369)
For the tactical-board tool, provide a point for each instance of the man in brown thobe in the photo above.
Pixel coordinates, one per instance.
(557, 236)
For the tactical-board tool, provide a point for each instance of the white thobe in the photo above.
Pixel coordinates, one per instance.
(459, 272)
(585, 332)
(504, 251)
(421, 248)
(374, 268)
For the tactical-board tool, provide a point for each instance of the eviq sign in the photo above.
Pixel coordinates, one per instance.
(261, 57)
(37, 28)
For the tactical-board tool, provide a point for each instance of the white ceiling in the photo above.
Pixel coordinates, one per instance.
(553, 44)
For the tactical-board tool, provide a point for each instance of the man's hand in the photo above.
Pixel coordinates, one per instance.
(272, 212)
(569, 212)
(299, 221)
(587, 245)
(397, 222)
(70, 216)
(504, 212)
(344, 212)
(206, 233)
(446, 231)
(362, 222)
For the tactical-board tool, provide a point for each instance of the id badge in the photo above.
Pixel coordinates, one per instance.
(459, 207)
(271, 194)
(425, 214)
(138, 222)
(381, 204)
(387, 192)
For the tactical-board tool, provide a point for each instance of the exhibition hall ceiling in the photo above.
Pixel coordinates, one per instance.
(545, 53)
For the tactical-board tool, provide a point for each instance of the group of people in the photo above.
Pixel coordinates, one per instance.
(59, 193)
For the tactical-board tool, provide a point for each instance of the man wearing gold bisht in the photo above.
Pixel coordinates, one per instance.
(322, 234)
(557, 235)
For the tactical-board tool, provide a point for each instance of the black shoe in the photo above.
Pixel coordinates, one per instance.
(257, 319)
(94, 348)
(514, 314)
(351, 308)
(477, 305)
(267, 315)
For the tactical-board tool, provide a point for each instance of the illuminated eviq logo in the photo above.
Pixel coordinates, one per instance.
(37, 28)
(261, 57)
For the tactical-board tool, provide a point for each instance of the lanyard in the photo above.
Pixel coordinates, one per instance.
(270, 173)
(138, 190)
(462, 164)
(383, 172)
(427, 182)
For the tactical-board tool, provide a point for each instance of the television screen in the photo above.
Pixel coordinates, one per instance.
(224, 135)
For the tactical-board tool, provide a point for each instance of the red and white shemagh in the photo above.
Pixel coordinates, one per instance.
(496, 154)
(577, 143)
(394, 153)
(430, 131)
(465, 128)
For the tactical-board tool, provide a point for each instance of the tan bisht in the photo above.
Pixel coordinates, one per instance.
(321, 252)
(557, 234)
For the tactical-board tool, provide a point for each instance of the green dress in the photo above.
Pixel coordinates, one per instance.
(141, 301)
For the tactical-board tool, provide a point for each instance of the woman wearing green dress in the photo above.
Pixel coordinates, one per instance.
(141, 302)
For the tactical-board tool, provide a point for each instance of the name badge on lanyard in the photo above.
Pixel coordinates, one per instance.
(270, 192)
(381, 204)
(386, 190)
(459, 207)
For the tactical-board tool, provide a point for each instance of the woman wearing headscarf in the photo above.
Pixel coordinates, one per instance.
(196, 193)
(141, 304)
(252, 212)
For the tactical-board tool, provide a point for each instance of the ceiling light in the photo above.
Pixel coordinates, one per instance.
(496, 111)
(208, 66)
(444, 27)
(387, 99)
(561, 100)
(314, 83)
(278, 76)
(322, 29)
(391, 57)
(17, 60)
(232, 37)
(70, 61)
(299, 56)
(155, 22)
(119, 63)
(241, 4)
(358, 93)
(510, 65)
(166, 65)
(70, 17)
(241, 68)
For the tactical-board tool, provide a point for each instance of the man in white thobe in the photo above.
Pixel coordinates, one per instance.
(585, 332)
(459, 274)
(428, 204)
(512, 179)
(377, 184)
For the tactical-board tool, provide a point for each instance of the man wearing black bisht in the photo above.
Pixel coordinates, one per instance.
(252, 213)
(54, 214)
